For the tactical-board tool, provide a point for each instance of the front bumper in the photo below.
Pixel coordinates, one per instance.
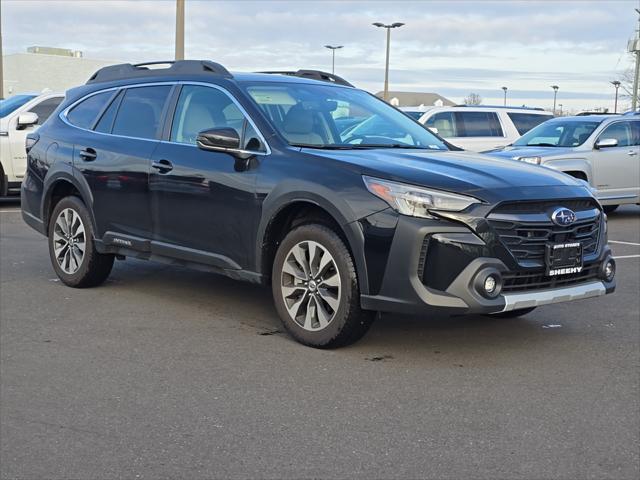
(432, 267)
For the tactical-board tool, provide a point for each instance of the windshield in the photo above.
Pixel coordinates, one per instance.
(558, 134)
(13, 103)
(323, 116)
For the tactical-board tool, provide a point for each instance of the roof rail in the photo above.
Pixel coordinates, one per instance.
(177, 67)
(521, 107)
(314, 75)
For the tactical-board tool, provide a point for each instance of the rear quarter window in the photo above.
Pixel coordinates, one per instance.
(85, 113)
(140, 112)
(526, 121)
(478, 124)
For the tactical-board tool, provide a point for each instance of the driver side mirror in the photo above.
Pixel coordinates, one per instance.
(219, 140)
(606, 143)
(27, 119)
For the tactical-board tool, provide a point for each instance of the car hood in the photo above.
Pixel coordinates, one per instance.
(511, 152)
(482, 176)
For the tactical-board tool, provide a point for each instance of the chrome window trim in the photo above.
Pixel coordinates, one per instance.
(63, 114)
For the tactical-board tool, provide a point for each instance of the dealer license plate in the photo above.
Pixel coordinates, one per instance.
(563, 258)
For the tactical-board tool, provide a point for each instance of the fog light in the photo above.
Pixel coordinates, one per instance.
(609, 270)
(490, 284)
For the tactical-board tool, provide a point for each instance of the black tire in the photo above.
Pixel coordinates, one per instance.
(94, 267)
(349, 322)
(513, 313)
(4, 183)
(610, 208)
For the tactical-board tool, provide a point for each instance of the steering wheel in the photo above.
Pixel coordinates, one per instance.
(351, 138)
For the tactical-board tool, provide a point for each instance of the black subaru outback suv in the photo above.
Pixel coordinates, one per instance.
(342, 203)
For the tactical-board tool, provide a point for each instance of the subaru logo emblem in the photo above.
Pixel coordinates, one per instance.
(563, 217)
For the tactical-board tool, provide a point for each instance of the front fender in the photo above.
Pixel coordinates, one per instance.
(571, 165)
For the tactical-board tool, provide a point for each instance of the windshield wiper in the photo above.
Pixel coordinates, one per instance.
(390, 145)
(541, 145)
(321, 146)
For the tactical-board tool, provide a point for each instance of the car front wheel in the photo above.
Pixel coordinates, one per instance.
(315, 288)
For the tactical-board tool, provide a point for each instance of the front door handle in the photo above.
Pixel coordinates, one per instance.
(88, 154)
(632, 153)
(163, 166)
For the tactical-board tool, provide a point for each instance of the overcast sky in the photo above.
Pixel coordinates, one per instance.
(449, 47)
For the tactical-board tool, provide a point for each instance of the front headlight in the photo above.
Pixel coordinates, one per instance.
(416, 201)
(533, 160)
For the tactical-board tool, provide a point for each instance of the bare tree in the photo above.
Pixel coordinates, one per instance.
(473, 99)
(626, 83)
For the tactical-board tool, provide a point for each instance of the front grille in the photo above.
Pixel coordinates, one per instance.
(575, 204)
(524, 281)
(527, 231)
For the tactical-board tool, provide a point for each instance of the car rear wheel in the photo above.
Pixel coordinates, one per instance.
(315, 289)
(71, 248)
(513, 313)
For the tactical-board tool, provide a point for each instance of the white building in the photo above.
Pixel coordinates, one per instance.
(34, 72)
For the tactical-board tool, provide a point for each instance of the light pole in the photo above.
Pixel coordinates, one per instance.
(560, 105)
(555, 96)
(1, 72)
(616, 85)
(333, 49)
(179, 30)
(634, 48)
(386, 68)
(505, 95)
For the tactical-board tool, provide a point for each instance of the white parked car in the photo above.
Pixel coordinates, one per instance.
(604, 150)
(479, 128)
(20, 115)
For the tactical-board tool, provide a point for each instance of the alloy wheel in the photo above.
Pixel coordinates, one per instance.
(69, 241)
(310, 285)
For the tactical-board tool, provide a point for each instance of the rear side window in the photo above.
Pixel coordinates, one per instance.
(85, 113)
(140, 112)
(45, 108)
(526, 121)
(620, 131)
(478, 124)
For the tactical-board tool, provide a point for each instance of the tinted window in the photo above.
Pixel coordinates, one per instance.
(478, 124)
(106, 121)
(85, 113)
(620, 131)
(526, 121)
(45, 108)
(200, 108)
(140, 112)
(12, 104)
(635, 129)
(444, 123)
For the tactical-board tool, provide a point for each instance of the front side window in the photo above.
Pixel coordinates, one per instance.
(526, 121)
(478, 124)
(202, 108)
(620, 131)
(45, 108)
(558, 133)
(444, 123)
(333, 117)
(85, 113)
(140, 112)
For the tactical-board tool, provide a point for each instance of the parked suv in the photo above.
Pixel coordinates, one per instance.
(246, 175)
(20, 115)
(479, 128)
(604, 150)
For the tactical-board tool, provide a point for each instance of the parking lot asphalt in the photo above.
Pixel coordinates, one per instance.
(165, 372)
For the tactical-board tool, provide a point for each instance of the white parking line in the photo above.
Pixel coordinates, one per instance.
(624, 243)
(9, 211)
(626, 256)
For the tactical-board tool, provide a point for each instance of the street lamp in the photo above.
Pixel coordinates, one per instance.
(505, 95)
(179, 30)
(386, 69)
(616, 85)
(555, 96)
(560, 105)
(333, 49)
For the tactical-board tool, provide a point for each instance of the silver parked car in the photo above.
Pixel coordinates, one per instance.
(604, 150)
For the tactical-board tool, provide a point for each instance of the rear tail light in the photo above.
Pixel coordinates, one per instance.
(30, 141)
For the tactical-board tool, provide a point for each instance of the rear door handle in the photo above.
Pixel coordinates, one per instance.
(163, 166)
(88, 154)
